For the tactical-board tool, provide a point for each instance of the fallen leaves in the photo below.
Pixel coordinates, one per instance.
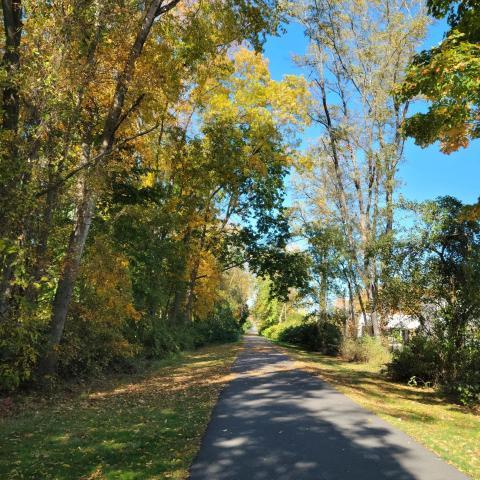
(140, 426)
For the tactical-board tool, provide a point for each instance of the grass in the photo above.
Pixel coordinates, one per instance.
(133, 427)
(451, 431)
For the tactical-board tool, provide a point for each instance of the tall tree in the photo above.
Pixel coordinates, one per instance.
(358, 53)
(86, 199)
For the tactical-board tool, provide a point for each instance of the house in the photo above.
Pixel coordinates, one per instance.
(406, 324)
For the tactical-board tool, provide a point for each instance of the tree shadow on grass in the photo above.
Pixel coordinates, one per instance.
(137, 427)
(380, 385)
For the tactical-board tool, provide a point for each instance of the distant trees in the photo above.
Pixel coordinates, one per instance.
(269, 310)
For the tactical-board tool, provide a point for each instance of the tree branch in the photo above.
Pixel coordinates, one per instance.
(94, 161)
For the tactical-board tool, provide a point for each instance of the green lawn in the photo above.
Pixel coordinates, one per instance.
(449, 430)
(134, 427)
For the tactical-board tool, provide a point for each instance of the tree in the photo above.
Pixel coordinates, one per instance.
(436, 280)
(85, 206)
(328, 270)
(447, 77)
(10, 170)
(269, 309)
(358, 53)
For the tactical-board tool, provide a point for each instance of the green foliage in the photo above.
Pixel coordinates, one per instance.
(365, 349)
(328, 253)
(246, 326)
(162, 339)
(329, 337)
(91, 347)
(267, 309)
(422, 362)
(417, 360)
(437, 279)
(273, 331)
(220, 327)
(18, 352)
(448, 76)
(323, 336)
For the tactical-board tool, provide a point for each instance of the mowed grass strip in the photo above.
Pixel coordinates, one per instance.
(145, 426)
(449, 430)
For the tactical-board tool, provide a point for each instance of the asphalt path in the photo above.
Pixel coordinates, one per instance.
(277, 422)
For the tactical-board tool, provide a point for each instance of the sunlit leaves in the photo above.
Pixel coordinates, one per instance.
(447, 76)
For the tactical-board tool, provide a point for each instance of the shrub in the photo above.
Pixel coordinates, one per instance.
(18, 352)
(365, 349)
(246, 326)
(90, 346)
(466, 386)
(417, 360)
(323, 337)
(220, 327)
(161, 339)
(424, 360)
(95, 336)
(303, 334)
(273, 331)
(329, 338)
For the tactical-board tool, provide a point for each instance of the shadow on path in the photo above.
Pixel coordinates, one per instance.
(277, 422)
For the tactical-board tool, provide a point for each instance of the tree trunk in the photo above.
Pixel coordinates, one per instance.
(39, 263)
(351, 307)
(372, 289)
(194, 273)
(180, 301)
(68, 276)
(177, 312)
(12, 22)
(188, 314)
(7, 271)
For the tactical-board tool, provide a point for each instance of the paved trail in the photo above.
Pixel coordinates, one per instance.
(276, 422)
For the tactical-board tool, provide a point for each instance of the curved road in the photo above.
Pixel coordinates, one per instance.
(277, 422)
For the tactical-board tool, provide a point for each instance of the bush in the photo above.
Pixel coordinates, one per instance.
(273, 331)
(466, 386)
(323, 337)
(303, 334)
(246, 326)
(424, 361)
(220, 327)
(417, 361)
(90, 347)
(329, 338)
(161, 339)
(365, 349)
(18, 352)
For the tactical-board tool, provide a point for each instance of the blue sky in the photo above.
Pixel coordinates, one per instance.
(425, 173)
